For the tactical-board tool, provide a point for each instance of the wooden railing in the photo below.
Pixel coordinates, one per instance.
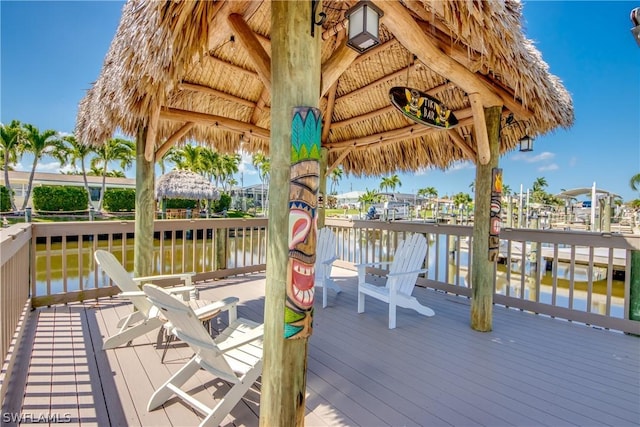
(212, 248)
(14, 294)
(578, 276)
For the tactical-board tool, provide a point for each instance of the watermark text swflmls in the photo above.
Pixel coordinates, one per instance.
(26, 417)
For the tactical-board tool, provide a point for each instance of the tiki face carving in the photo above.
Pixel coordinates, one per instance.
(303, 203)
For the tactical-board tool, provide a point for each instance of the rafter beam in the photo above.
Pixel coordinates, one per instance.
(480, 127)
(175, 114)
(462, 144)
(258, 56)
(400, 22)
(337, 64)
(328, 113)
(340, 158)
(395, 135)
(219, 29)
(171, 141)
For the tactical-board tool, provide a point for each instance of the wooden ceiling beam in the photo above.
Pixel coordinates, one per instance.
(400, 22)
(480, 127)
(260, 106)
(335, 66)
(340, 158)
(408, 132)
(171, 141)
(175, 114)
(462, 144)
(328, 113)
(258, 56)
(210, 91)
(219, 29)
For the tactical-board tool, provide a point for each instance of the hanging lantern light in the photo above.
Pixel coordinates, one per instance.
(526, 143)
(363, 19)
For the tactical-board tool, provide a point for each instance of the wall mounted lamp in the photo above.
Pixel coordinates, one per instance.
(364, 19)
(526, 142)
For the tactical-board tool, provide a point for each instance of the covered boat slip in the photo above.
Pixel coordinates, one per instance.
(531, 370)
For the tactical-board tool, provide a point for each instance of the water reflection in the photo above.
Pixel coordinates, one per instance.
(447, 261)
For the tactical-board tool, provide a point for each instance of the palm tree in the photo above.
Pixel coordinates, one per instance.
(226, 167)
(40, 144)
(336, 176)
(263, 165)
(540, 184)
(10, 137)
(472, 186)
(369, 197)
(391, 183)
(634, 182)
(114, 150)
(79, 152)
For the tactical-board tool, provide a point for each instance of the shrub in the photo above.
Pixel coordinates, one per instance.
(180, 203)
(5, 200)
(55, 198)
(119, 199)
(224, 203)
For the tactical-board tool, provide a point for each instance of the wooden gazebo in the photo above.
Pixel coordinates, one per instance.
(230, 73)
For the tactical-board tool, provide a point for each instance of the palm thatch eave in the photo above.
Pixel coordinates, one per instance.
(177, 55)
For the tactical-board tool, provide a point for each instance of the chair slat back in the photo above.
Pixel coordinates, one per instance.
(325, 250)
(409, 256)
(117, 273)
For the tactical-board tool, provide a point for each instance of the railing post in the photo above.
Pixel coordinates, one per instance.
(634, 292)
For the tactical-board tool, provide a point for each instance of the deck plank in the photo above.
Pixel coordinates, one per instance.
(530, 370)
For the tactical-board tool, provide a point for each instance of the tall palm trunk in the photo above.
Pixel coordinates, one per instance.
(104, 186)
(6, 180)
(86, 182)
(31, 175)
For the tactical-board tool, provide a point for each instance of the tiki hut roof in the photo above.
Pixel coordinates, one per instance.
(179, 68)
(182, 184)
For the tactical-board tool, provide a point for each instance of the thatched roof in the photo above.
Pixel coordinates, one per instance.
(174, 66)
(182, 184)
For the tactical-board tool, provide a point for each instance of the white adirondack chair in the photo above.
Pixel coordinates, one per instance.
(325, 256)
(403, 273)
(146, 317)
(234, 356)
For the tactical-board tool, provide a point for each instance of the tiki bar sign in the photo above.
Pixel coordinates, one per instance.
(422, 108)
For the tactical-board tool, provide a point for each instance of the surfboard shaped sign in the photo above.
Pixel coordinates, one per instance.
(422, 108)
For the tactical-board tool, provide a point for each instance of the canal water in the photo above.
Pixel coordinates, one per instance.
(368, 249)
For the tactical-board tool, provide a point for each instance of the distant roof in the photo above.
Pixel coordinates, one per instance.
(572, 194)
(182, 184)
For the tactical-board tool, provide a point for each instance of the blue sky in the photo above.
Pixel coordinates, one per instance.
(51, 52)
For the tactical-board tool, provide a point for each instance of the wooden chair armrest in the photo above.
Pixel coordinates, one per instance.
(404, 273)
(329, 261)
(184, 276)
(216, 307)
(129, 294)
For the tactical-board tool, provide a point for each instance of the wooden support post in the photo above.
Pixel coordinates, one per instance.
(482, 276)
(145, 209)
(323, 197)
(295, 68)
(634, 292)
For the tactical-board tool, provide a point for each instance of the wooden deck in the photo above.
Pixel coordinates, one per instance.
(531, 370)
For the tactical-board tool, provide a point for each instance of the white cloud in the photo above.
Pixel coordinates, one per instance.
(48, 167)
(546, 155)
(457, 166)
(551, 167)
